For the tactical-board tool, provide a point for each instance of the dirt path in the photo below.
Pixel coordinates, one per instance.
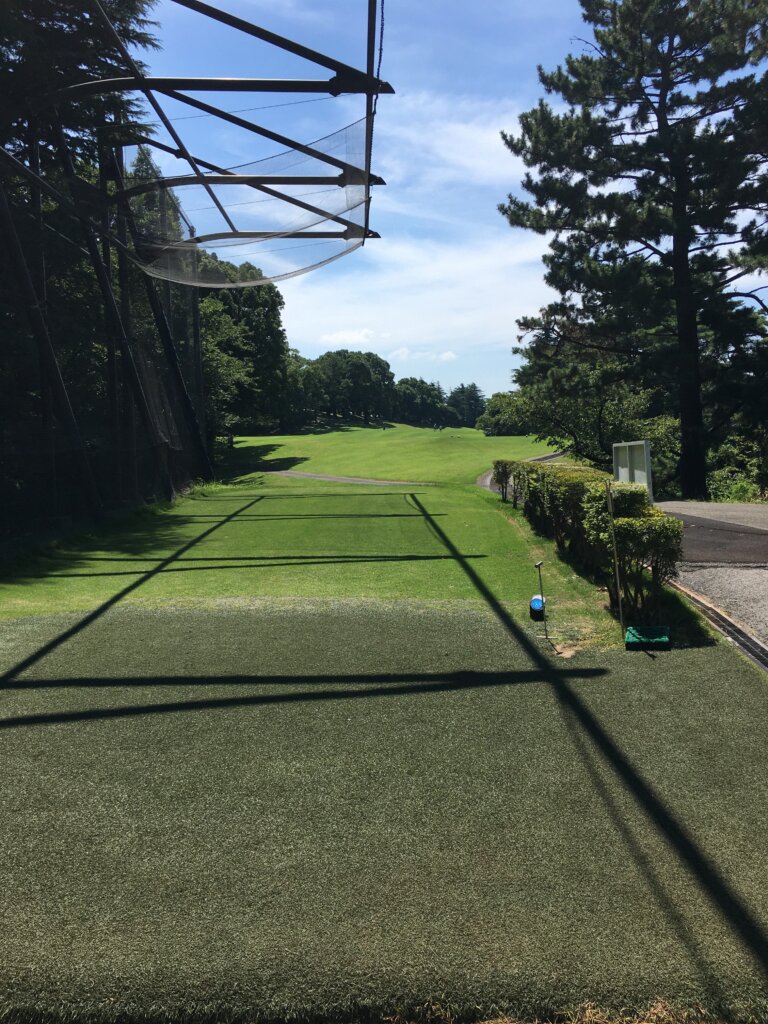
(348, 479)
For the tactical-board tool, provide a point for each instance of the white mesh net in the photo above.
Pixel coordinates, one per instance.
(263, 221)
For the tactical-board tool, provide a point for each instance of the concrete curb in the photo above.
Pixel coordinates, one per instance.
(735, 631)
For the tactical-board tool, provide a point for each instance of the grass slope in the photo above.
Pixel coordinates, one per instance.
(453, 455)
(294, 750)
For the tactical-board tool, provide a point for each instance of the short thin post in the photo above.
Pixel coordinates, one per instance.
(543, 602)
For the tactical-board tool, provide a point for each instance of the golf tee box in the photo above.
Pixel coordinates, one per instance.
(647, 638)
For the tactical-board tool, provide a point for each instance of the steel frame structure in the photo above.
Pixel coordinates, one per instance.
(90, 207)
(346, 79)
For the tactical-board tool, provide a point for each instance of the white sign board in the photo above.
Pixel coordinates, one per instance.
(632, 464)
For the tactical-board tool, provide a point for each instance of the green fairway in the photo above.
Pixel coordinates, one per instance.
(294, 749)
(453, 455)
(279, 537)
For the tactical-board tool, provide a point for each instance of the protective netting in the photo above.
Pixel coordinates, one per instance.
(277, 217)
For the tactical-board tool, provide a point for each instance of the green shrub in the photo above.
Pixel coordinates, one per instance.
(553, 505)
(502, 474)
(650, 541)
(731, 485)
(570, 505)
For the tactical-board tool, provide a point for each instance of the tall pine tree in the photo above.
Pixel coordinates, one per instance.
(653, 183)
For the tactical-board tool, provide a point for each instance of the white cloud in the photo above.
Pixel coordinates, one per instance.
(436, 140)
(359, 336)
(405, 355)
(450, 305)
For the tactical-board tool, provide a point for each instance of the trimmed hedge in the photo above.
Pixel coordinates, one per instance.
(570, 505)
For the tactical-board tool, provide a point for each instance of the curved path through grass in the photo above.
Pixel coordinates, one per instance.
(292, 748)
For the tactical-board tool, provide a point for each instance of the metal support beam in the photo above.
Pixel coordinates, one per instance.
(185, 180)
(281, 42)
(335, 86)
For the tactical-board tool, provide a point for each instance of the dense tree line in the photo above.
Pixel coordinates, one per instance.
(45, 46)
(649, 174)
(295, 392)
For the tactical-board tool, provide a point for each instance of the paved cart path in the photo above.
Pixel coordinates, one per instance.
(725, 557)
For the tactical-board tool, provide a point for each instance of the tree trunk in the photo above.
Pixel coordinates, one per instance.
(692, 468)
(693, 465)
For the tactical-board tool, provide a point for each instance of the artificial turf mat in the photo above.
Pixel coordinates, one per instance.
(275, 808)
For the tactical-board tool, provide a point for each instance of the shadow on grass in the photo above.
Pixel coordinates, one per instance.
(684, 932)
(367, 686)
(144, 529)
(234, 463)
(713, 884)
(262, 562)
(102, 609)
(591, 740)
(335, 425)
(688, 627)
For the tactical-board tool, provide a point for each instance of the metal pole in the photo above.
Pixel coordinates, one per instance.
(543, 602)
(113, 409)
(113, 313)
(197, 345)
(45, 348)
(126, 405)
(46, 399)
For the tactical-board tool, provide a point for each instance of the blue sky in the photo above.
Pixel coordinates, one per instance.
(438, 295)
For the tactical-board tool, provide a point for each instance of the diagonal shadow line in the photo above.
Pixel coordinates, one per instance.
(709, 878)
(62, 638)
(644, 865)
(288, 495)
(210, 516)
(335, 679)
(250, 558)
(295, 561)
(433, 684)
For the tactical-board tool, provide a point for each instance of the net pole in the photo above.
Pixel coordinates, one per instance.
(113, 408)
(617, 574)
(197, 343)
(46, 389)
(171, 355)
(113, 315)
(47, 354)
(126, 408)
